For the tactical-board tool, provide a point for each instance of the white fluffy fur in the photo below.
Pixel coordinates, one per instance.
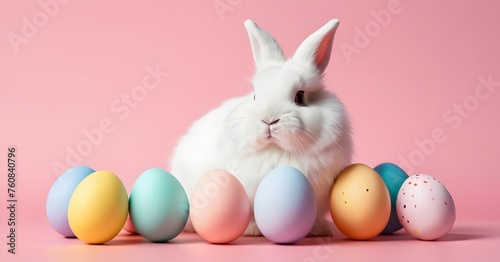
(314, 138)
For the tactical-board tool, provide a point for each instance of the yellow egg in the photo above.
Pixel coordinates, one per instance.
(360, 203)
(98, 208)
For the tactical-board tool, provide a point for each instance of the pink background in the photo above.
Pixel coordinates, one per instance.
(399, 87)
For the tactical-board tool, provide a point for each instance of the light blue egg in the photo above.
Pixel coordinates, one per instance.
(60, 195)
(394, 178)
(158, 205)
(285, 206)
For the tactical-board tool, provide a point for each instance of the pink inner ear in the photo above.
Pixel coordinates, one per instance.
(323, 51)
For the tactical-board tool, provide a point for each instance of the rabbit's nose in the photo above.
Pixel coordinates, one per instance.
(271, 123)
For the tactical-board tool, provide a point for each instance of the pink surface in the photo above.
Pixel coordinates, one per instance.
(470, 241)
(412, 74)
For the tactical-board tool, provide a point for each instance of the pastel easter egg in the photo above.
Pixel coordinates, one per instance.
(59, 196)
(425, 208)
(159, 206)
(98, 208)
(129, 227)
(220, 208)
(285, 205)
(360, 204)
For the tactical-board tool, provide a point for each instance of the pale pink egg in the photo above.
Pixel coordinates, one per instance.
(219, 208)
(425, 208)
(129, 227)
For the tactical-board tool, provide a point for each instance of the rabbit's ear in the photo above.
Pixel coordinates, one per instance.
(316, 49)
(266, 51)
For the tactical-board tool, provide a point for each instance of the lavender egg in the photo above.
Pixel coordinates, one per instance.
(285, 206)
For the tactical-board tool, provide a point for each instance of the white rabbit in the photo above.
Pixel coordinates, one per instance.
(288, 119)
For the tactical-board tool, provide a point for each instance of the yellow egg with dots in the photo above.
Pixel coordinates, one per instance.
(360, 203)
(98, 208)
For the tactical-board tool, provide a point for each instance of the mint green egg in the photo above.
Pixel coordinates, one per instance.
(158, 205)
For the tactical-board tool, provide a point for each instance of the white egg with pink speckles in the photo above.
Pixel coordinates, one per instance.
(425, 208)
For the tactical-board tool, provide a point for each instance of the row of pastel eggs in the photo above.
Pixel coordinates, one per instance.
(93, 205)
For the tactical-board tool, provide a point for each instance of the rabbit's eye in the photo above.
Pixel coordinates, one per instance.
(253, 96)
(300, 98)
